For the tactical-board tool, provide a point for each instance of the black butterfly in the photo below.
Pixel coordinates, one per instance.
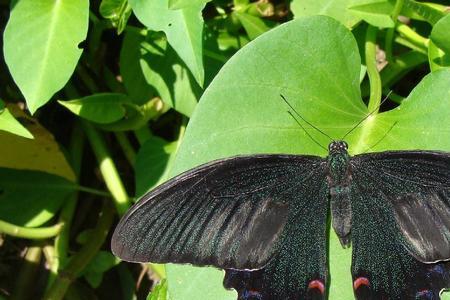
(263, 218)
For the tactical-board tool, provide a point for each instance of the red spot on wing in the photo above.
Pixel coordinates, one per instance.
(316, 284)
(360, 281)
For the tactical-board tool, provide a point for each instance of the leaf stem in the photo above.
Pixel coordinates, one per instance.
(107, 168)
(80, 260)
(93, 191)
(372, 71)
(29, 233)
(126, 146)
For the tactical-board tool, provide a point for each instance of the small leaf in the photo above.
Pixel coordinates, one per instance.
(31, 198)
(440, 34)
(117, 11)
(375, 12)
(183, 28)
(422, 11)
(41, 45)
(177, 4)
(102, 262)
(163, 69)
(336, 9)
(254, 26)
(41, 153)
(159, 292)
(10, 124)
(131, 53)
(101, 108)
(437, 58)
(152, 163)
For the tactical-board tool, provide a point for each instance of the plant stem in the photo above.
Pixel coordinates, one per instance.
(107, 168)
(390, 32)
(29, 233)
(82, 258)
(126, 146)
(372, 71)
(61, 245)
(27, 276)
(413, 37)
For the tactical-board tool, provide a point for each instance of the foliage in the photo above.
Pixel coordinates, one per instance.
(96, 97)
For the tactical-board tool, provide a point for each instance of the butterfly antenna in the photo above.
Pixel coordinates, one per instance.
(310, 124)
(307, 131)
(366, 117)
(382, 138)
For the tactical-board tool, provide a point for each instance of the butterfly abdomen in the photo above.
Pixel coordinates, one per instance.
(339, 179)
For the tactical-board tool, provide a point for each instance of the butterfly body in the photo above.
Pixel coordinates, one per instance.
(263, 218)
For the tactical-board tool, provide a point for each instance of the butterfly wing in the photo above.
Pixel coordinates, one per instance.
(228, 213)
(400, 224)
(298, 270)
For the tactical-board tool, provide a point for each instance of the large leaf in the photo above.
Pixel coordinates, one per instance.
(375, 12)
(183, 28)
(163, 70)
(30, 198)
(41, 45)
(241, 113)
(40, 154)
(333, 8)
(130, 67)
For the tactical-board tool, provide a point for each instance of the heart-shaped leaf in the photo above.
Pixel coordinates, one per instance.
(30, 198)
(41, 45)
(183, 27)
(241, 112)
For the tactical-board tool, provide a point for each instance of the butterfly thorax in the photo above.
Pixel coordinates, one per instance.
(339, 179)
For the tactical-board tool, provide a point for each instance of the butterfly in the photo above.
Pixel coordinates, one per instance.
(263, 218)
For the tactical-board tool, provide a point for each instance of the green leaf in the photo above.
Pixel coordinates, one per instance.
(437, 58)
(102, 262)
(152, 163)
(177, 4)
(163, 69)
(130, 67)
(31, 198)
(159, 292)
(41, 45)
(101, 108)
(440, 34)
(241, 113)
(10, 124)
(183, 28)
(117, 11)
(374, 12)
(422, 11)
(254, 26)
(336, 9)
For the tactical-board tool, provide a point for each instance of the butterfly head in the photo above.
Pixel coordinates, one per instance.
(336, 147)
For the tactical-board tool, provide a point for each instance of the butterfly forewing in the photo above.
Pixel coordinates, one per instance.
(229, 213)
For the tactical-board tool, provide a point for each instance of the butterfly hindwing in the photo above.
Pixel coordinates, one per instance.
(228, 213)
(393, 243)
